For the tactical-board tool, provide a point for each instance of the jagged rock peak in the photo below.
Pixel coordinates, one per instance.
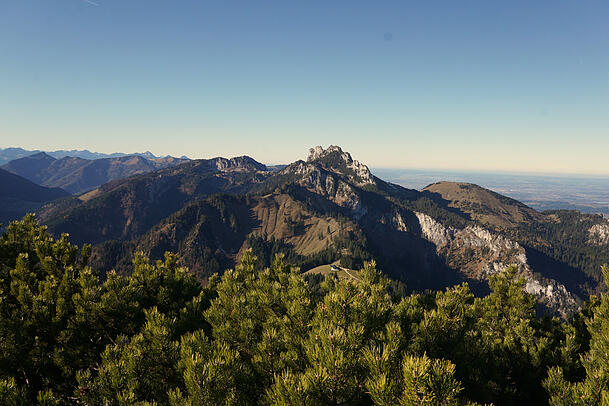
(598, 234)
(237, 163)
(319, 152)
(337, 160)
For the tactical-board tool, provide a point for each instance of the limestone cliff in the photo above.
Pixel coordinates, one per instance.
(330, 185)
(336, 160)
(598, 234)
(479, 253)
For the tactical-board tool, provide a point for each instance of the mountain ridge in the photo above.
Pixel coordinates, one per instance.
(137, 203)
(424, 238)
(77, 175)
(19, 196)
(12, 153)
(496, 210)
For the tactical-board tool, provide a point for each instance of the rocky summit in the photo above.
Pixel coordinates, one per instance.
(335, 159)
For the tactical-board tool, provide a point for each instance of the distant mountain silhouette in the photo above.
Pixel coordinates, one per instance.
(19, 196)
(77, 175)
(10, 154)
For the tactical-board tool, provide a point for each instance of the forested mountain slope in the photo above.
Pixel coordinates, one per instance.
(331, 207)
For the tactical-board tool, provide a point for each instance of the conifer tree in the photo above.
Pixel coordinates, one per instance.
(140, 368)
(263, 315)
(39, 277)
(344, 324)
(594, 389)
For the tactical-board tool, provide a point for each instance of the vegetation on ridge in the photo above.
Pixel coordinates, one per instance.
(265, 336)
(322, 210)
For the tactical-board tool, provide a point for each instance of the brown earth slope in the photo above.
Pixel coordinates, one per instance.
(485, 206)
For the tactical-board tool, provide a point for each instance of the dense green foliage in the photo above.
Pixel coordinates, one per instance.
(569, 240)
(594, 389)
(350, 253)
(263, 335)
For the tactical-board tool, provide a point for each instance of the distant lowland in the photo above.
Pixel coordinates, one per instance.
(329, 210)
(586, 193)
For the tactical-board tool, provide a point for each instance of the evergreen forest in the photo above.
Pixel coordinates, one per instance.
(267, 335)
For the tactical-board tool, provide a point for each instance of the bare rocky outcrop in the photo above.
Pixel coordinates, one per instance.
(435, 232)
(327, 184)
(241, 163)
(399, 222)
(357, 172)
(333, 174)
(598, 234)
(480, 253)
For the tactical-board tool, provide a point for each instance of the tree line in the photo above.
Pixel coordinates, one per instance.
(265, 336)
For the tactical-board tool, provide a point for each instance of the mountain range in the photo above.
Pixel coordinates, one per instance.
(329, 208)
(76, 175)
(10, 154)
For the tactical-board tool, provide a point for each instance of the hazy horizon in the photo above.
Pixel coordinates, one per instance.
(427, 170)
(483, 86)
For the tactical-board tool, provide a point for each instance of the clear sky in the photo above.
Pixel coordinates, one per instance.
(492, 85)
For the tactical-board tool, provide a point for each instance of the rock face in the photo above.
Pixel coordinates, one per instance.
(336, 160)
(480, 253)
(241, 163)
(334, 175)
(326, 184)
(434, 231)
(598, 234)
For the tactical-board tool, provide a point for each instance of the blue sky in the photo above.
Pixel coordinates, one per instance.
(477, 85)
